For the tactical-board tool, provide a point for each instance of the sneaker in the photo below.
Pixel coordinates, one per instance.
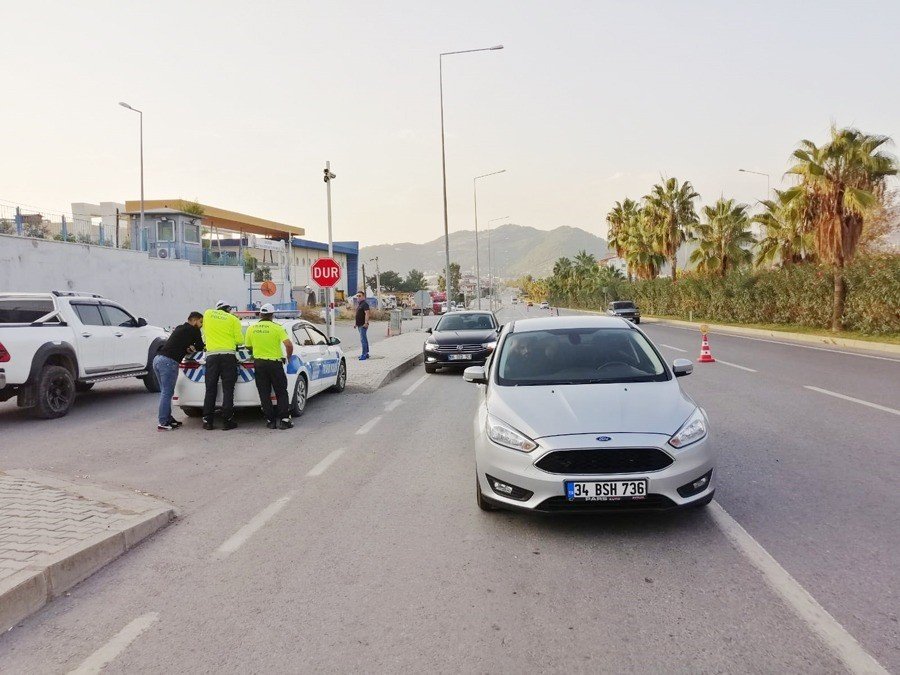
(175, 423)
(285, 424)
(164, 427)
(229, 425)
(208, 424)
(363, 357)
(272, 424)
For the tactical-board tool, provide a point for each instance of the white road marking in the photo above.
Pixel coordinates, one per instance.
(239, 538)
(825, 626)
(393, 404)
(676, 349)
(118, 644)
(320, 468)
(788, 344)
(368, 426)
(415, 384)
(854, 400)
(734, 365)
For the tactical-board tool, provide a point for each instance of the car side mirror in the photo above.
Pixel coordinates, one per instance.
(141, 322)
(428, 330)
(682, 367)
(499, 328)
(475, 375)
(334, 341)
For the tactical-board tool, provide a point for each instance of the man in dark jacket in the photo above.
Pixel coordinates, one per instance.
(184, 340)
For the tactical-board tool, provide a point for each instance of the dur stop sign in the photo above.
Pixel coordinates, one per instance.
(325, 272)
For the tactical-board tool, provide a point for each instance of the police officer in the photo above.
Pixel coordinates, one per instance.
(265, 338)
(222, 333)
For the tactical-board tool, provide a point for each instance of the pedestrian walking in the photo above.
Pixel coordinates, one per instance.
(266, 338)
(184, 341)
(362, 323)
(222, 331)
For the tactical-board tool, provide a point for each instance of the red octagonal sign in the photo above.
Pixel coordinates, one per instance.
(325, 272)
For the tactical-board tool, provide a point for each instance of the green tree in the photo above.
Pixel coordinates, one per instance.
(622, 219)
(842, 182)
(641, 254)
(391, 281)
(786, 239)
(194, 208)
(724, 239)
(670, 208)
(415, 281)
(454, 278)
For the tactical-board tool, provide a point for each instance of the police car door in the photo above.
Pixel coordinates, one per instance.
(325, 370)
(305, 350)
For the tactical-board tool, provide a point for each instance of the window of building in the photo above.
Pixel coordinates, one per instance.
(165, 230)
(192, 233)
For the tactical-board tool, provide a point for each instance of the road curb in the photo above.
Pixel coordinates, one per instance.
(49, 576)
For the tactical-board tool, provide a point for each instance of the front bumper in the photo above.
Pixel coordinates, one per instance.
(548, 491)
(478, 358)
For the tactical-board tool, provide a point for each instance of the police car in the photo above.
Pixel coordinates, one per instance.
(317, 365)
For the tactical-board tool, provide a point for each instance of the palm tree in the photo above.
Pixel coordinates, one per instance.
(670, 205)
(725, 238)
(621, 219)
(841, 183)
(787, 237)
(641, 253)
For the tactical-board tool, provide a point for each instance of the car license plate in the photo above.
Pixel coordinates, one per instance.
(606, 490)
(460, 357)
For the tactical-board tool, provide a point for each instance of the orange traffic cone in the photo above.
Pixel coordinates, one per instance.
(705, 355)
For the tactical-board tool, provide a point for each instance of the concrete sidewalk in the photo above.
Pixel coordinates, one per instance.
(388, 359)
(55, 533)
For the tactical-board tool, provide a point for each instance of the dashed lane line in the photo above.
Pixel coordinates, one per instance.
(674, 349)
(239, 538)
(368, 426)
(393, 405)
(734, 365)
(322, 466)
(414, 385)
(825, 626)
(853, 400)
(118, 644)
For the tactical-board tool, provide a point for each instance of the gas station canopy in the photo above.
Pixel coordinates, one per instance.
(214, 217)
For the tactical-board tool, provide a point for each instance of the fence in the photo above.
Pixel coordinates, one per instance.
(24, 221)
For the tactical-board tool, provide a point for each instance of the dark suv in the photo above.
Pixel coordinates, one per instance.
(625, 309)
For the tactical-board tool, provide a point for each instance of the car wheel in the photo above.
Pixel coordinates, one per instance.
(191, 411)
(341, 378)
(151, 382)
(83, 386)
(429, 368)
(483, 503)
(298, 402)
(55, 392)
(700, 503)
(637, 320)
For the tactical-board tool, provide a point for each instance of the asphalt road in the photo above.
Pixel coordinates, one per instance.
(353, 542)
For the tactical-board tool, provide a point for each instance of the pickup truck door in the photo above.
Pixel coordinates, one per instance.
(95, 342)
(130, 341)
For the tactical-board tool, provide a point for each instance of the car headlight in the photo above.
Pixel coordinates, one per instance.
(431, 346)
(503, 434)
(691, 431)
(489, 345)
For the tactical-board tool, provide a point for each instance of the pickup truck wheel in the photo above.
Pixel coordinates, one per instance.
(83, 386)
(191, 411)
(55, 392)
(151, 382)
(430, 368)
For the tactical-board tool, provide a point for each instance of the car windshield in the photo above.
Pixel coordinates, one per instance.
(466, 322)
(578, 356)
(622, 305)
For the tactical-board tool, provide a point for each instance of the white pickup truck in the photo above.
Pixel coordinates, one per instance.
(53, 345)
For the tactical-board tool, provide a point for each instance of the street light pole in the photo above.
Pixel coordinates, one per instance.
(760, 173)
(444, 160)
(141, 126)
(477, 261)
(329, 292)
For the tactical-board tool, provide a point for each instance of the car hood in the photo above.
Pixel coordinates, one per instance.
(463, 337)
(639, 407)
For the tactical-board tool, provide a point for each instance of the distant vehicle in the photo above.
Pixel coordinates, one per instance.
(317, 365)
(530, 304)
(53, 345)
(545, 305)
(461, 339)
(515, 300)
(583, 414)
(442, 308)
(625, 309)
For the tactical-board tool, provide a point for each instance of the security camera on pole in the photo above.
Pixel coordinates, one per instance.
(329, 293)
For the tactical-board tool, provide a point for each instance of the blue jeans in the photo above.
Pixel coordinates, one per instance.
(364, 339)
(166, 370)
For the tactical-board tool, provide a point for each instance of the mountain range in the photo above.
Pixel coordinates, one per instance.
(516, 250)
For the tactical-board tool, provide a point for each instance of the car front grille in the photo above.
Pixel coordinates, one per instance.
(459, 349)
(562, 505)
(604, 460)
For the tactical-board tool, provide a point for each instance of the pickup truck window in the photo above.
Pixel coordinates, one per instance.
(89, 314)
(118, 317)
(23, 310)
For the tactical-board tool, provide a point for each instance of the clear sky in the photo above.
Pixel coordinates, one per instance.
(588, 103)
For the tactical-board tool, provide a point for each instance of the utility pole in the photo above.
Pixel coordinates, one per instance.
(377, 281)
(329, 292)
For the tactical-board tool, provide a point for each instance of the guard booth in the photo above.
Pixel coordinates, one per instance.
(167, 233)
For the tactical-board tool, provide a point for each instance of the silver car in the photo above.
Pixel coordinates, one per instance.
(583, 414)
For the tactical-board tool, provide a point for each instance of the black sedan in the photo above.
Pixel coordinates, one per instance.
(461, 339)
(625, 309)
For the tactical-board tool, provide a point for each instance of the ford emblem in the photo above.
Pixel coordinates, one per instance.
(603, 439)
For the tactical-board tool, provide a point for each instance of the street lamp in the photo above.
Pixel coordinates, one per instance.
(760, 173)
(141, 114)
(490, 261)
(444, 158)
(477, 262)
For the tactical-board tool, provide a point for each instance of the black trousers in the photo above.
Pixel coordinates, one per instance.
(218, 366)
(270, 375)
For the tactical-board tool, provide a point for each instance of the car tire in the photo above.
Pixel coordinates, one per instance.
(483, 503)
(700, 503)
(151, 382)
(82, 387)
(431, 369)
(54, 392)
(341, 383)
(301, 394)
(637, 320)
(192, 411)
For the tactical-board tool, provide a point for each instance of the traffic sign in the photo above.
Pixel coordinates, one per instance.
(423, 300)
(267, 288)
(325, 272)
